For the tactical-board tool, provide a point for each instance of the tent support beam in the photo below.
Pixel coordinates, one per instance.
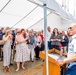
(5, 5)
(24, 17)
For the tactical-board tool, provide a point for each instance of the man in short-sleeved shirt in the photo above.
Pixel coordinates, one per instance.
(72, 45)
(71, 57)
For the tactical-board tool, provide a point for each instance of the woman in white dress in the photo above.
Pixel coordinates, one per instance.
(21, 50)
(7, 50)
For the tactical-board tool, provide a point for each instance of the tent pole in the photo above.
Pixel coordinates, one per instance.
(45, 35)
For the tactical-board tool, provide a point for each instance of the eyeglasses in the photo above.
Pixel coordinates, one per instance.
(70, 28)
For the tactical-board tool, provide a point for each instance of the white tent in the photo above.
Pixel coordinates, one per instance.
(19, 13)
(22, 13)
(54, 7)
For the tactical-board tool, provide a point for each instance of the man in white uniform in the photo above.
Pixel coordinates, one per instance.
(71, 57)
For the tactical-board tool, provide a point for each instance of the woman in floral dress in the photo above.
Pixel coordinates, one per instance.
(21, 50)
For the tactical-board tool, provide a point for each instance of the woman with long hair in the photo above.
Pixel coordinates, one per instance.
(7, 50)
(21, 49)
(55, 39)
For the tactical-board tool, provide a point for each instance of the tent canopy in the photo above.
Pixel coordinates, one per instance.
(55, 8)
(19, 13)
(22, 13)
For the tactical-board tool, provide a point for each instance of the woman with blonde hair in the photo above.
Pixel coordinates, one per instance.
(7, 50)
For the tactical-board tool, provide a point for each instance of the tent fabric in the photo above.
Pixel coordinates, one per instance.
(11, 13)
(16, 10)
(55, 7)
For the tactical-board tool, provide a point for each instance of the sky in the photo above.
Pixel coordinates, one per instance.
(72, 4)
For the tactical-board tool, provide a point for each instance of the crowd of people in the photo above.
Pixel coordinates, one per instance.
(57, 38)
(26, 45)
(23, 44)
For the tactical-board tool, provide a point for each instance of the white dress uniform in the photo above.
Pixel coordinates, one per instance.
(71, 66)
(72, 45)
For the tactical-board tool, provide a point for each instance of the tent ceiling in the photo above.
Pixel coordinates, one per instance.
(54, 7)
(16, 10)
(21, 13)
(2, 3)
